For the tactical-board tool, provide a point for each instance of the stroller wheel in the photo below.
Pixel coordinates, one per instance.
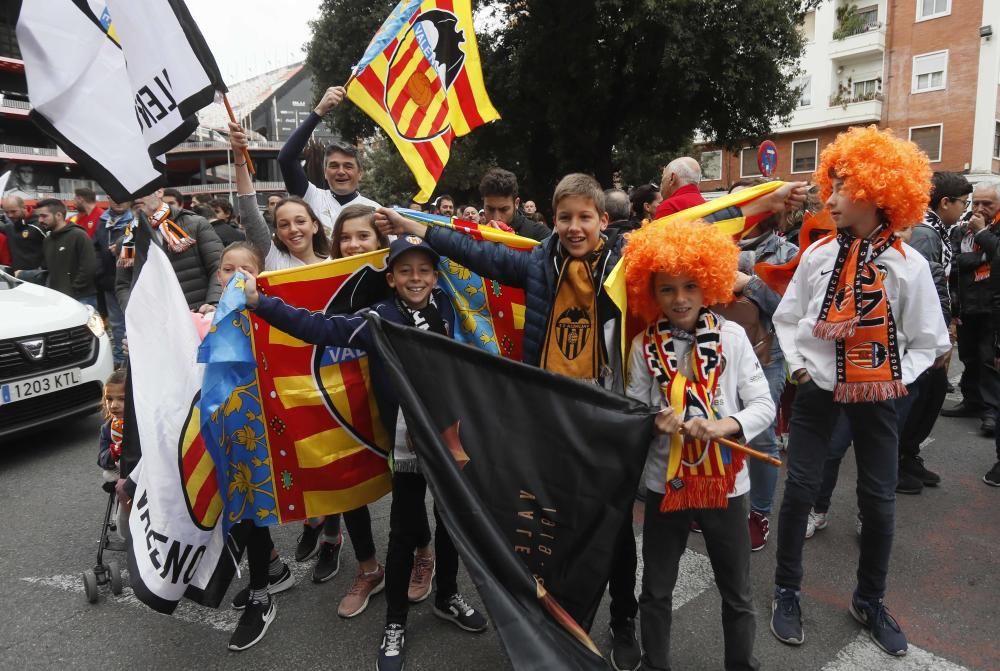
(115, 576)
(90, 585)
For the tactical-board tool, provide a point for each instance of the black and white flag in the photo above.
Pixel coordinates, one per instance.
(116, 83)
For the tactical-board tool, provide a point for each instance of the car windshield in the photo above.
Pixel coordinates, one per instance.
(7, 281)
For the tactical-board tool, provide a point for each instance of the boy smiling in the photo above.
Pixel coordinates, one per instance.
(412, 274)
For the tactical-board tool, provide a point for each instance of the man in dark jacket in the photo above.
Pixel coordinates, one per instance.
(500, 203)
(194, 256)
(619, 209)
(24, 235)
(949, 198)
(69, 254)
(975, 245)
(110, 230)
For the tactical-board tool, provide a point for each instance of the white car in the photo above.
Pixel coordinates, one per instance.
(54, 357)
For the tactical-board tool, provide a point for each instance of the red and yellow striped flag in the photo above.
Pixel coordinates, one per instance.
(421, 80)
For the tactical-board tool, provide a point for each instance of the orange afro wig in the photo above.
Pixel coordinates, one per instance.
(701, 251)
(878, 167)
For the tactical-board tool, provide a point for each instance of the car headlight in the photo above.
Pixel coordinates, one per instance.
(95, 323)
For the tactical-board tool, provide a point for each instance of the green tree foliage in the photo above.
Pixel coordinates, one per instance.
(608, 87)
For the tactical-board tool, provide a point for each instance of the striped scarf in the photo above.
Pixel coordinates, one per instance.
(933, 221)
(699, 474)
(175, 237)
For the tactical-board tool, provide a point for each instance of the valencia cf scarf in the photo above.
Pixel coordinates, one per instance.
(175, 237)
(699, 474)
(969, 244)
(572, 342)
(857, 315)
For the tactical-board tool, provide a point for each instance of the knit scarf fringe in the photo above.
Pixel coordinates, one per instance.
(825, 330)
(868, 392)
(704, 492)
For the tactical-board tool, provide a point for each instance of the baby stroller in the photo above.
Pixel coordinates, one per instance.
(111, 572)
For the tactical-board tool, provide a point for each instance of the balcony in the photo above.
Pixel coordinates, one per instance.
(13, 107)
(859, 32)
(16, 152)
(215, 145)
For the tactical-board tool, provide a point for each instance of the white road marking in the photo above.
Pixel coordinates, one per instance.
(863, 655)
(223, 618)
(694, 577)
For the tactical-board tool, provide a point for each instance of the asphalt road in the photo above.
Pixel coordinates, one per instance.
(944, 584)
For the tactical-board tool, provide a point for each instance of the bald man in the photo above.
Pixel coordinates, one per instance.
(679, 186)
(24, 235)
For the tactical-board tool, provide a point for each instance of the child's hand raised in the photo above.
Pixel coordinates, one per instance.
(667, 421)
(390, 222)
(250, 289)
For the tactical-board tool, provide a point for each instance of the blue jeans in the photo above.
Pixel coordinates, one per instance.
(874, 426)
(89, 300)
(116, 317)
(764, 476)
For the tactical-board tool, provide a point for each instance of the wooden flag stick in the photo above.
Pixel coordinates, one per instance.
(749, 451)
(246, 152)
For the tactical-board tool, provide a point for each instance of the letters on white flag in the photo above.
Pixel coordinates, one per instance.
(170, 550)
(116, 83)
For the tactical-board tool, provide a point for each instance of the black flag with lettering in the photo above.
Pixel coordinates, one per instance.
(116, 84)
(534, 474)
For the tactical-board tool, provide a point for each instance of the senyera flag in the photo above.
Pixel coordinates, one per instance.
(116, 83)
(421, 80)
(533, 473)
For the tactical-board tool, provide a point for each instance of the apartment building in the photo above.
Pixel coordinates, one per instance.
(928, 69)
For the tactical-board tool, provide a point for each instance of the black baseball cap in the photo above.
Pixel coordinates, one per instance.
(405, 243)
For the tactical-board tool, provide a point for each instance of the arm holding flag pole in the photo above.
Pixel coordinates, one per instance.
(246, 151)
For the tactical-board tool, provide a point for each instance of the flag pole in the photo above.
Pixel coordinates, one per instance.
(246, 151)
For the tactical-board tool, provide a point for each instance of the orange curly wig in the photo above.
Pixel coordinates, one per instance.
(693, 248)
(880, 168)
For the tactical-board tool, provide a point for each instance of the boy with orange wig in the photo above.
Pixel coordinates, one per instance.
(859, 321)
(702, 369)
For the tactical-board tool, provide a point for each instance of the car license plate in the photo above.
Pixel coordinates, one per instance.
(38, 386)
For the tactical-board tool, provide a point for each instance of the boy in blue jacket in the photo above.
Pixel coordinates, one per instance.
(571, 325)
(412, 274)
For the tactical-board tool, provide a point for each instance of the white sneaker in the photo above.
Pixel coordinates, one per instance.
(816, 522)
(857, 525)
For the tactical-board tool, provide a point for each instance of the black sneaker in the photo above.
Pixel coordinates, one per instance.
(626, 655)
(881, 626)
(328, 563)
(908, 483)
(253, 624)
(786, 617)
(308, 542)
(962, 410)
(390, 652)
(275, 585)
(456, 610)
(993, 477)
(989, 427)
(915, 465)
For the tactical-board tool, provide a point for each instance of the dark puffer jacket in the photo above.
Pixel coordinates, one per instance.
(195, 267)
(537, 272)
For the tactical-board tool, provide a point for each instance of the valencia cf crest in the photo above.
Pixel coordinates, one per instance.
(868, 355)
(422, 69)
(572, 330)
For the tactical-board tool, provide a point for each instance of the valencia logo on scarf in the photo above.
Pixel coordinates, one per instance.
(857, 315)
(699, 474)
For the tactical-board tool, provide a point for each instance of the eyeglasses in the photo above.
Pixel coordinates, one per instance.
(963, 201)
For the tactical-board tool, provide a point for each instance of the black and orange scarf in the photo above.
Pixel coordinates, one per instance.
(572, 343)
(857, 315)
(699, 475)
(969, 244)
